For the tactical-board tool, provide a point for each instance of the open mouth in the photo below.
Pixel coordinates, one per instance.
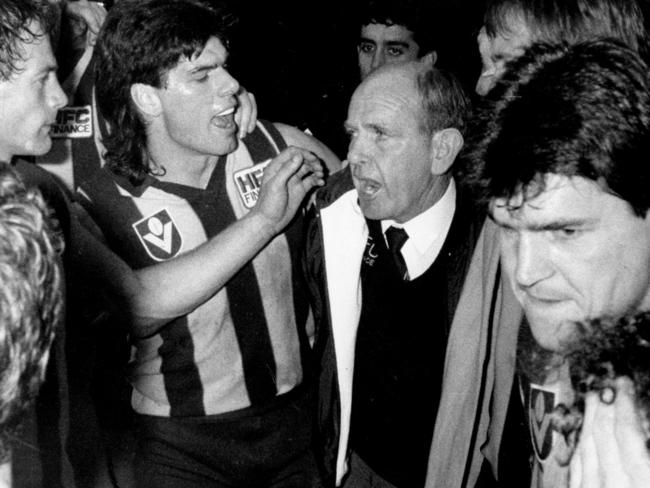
(228, 111)
(225, 119)
(367, 188)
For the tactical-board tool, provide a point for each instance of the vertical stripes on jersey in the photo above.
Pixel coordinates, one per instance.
(294, 234)
(253, 323)
(245, 301)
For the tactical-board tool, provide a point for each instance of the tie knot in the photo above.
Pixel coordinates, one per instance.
(396, 237)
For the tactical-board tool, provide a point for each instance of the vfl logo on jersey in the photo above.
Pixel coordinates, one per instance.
(73, 122)
(159, 235)
(540, 408)
(248, 182)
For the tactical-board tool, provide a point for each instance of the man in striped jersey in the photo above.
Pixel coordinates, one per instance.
(220, 376)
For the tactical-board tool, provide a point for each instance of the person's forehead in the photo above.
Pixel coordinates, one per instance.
(37, 56)
(511, 42)
(214, 51)
(382, 33)
(560, 198)
(214, 54)
(390, 90)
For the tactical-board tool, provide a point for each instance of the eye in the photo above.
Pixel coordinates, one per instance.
(379, 133)
(395, 52)
(565, 233)
(351, 133)
(366, 47)
(42, 80)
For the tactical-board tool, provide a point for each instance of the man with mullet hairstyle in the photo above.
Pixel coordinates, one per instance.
(221, 386)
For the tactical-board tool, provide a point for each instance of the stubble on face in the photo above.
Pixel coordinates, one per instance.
(572, 253)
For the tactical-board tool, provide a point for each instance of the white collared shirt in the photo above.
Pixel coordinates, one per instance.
(427, 232)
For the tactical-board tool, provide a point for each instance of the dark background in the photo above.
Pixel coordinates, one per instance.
(299, 57)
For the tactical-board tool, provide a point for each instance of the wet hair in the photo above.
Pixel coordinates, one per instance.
(575, 111)
(444, 101)
(601, 351)
(140, 42)
(31, 298)
(571, 21)
(407, 13)
(15, 30)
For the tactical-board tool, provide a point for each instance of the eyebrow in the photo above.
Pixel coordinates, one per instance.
(205, 67)
(397, 44)
(366, 39)
(557, 224)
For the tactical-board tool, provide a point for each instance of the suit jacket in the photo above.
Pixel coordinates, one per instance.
(336, 239)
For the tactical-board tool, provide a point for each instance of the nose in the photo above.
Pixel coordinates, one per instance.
(485, 83)
(357, 154)
(378, 58)
(533, 263)
(57, 97)
(226, 85)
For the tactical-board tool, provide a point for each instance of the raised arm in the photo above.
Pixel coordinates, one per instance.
(159, 293)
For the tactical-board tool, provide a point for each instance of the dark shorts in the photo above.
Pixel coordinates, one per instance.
(252, 448)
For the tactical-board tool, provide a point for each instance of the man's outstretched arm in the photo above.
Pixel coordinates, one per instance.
(159, 293)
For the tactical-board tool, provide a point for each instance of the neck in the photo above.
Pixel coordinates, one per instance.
(177, 164)
(430, 196)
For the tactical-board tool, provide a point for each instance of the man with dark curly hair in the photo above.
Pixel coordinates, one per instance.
(499, 439)
(560, 162)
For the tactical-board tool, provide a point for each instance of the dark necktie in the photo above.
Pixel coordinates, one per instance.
(396, 237)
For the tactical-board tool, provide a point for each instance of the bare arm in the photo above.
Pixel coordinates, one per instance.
(159, 293)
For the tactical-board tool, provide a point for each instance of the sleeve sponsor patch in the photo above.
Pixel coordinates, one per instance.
(248, 182)
(159, 235)
(73, 122)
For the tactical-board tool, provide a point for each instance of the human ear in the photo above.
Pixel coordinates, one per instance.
(445, 146)
(146, 99)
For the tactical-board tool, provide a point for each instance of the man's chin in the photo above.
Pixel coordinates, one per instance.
(37, 148)
(551, 335)
(226, 147)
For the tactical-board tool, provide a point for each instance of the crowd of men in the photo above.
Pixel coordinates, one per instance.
(461, 302)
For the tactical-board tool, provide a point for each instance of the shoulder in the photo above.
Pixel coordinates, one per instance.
(295, 137)
(106, 195)
(33, 176)
(54, 193)
(337, 185)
